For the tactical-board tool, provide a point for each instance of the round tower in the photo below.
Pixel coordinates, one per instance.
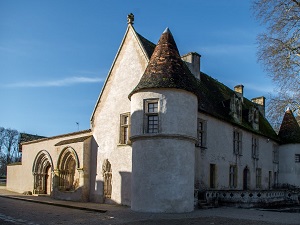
(164, 110)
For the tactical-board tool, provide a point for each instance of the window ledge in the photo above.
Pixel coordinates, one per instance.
(122, 145)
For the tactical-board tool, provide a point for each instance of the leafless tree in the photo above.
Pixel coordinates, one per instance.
(279, 51)
(9, 151)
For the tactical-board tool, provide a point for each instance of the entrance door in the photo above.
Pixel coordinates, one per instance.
(246, 178)
(48, 180)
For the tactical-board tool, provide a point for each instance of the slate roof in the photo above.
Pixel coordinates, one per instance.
(214, 99)
(148, 45)
(73, 140)
(58, 136)
(166, 69)
(24, 137)
(289, 130)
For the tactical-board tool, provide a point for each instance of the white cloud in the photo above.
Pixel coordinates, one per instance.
(57, 83)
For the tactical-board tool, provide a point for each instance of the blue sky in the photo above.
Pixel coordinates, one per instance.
(55, 54)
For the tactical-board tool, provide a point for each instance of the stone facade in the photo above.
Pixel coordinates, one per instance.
(161, 131)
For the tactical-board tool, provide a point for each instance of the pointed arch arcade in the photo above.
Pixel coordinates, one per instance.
(42, 173)
(68, 165)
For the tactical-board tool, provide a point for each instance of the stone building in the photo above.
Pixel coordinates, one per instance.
(163, 132)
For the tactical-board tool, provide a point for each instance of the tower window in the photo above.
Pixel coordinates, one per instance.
(151, 116)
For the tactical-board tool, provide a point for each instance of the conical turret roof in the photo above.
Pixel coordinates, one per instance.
(166, 69)
(289, 130)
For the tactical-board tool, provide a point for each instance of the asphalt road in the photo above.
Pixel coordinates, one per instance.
(28, 213)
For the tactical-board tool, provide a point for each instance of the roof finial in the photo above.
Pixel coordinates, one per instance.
(167, 30)
(130, 18)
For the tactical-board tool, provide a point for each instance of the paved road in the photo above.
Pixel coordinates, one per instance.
(14, 212)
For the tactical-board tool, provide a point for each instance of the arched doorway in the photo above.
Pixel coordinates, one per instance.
(67, 166)
(42, 173)
(246, 179)
(107, 177)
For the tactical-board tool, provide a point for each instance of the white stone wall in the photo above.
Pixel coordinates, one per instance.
(15, 175)
(219, 151)
(289, 170)
(163, 163)
(125, 74)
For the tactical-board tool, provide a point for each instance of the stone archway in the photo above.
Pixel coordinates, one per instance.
(68, 175)
(42, 173)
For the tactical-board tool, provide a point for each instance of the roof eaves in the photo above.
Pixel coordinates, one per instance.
(58, 136)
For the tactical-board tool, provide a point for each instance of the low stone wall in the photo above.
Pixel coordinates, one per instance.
(254, 198)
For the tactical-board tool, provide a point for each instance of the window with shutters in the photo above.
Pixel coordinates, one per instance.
(124, 128)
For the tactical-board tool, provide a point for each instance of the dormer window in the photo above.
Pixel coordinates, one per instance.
(236, 108)
(253, 118)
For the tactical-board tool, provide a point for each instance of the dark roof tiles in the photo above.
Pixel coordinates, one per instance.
(148, 45)
(166, 69)
(73, 140)
(289, 130)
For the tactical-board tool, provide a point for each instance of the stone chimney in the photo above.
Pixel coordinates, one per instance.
(192, 60)
(239, 90)
(260, 102)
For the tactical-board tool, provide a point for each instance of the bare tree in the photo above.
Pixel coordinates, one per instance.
(9, 149)
(279, 51)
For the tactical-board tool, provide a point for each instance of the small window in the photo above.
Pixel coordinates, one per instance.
(258, 177)
(237, 142)
(233, 176)
(124, 128)
(151, 116)
(255, 149)
(297, 158)
(201, 133)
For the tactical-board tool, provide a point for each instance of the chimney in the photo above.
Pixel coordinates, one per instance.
(239, 90)
(192, 60)
(260, 103)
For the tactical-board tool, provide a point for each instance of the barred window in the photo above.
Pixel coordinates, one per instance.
(124, 128)
(237, 142)
(151, 116)
(255, 149)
